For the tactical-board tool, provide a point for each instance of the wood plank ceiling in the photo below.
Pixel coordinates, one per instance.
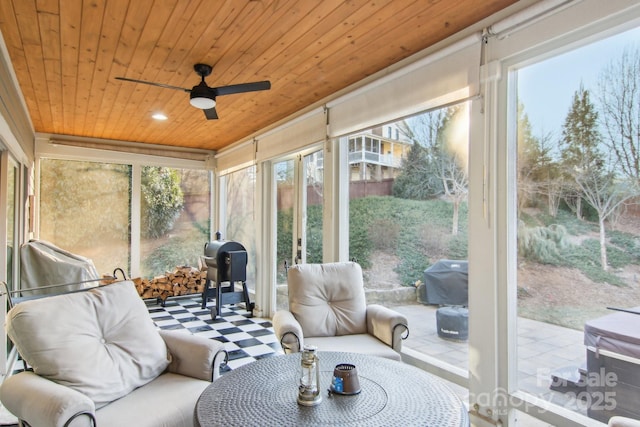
(67, 53)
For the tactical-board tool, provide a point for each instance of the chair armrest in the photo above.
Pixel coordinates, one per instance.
(288, 331)
(194, 356)
(41, 402)
(619, 421)
(387, 325)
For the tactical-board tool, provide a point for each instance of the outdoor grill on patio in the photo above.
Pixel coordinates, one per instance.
(446, 284)
(226, 262)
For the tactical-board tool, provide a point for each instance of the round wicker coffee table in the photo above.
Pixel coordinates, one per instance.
(263, 393)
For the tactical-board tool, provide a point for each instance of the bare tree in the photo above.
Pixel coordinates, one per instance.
(453, 160)
(553, 190)
(619, 100)
(437, 164)
(615, 216)
(606, 195)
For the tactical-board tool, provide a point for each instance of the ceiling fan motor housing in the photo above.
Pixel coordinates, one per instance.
(201, 97)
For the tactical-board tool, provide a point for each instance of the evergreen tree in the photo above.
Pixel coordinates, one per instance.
(418, 177)
(529, 156)
(537, 170)
(580, 141)
(580, 136)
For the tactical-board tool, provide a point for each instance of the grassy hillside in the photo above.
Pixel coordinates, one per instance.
(560, 279)
(417, 232)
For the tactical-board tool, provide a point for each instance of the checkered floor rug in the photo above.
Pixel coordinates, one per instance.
(245, 338)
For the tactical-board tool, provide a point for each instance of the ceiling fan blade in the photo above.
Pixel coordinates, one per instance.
(211, 113)
(242, 87)
(153, 84)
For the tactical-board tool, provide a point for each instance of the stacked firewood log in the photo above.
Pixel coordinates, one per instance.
(182, 281)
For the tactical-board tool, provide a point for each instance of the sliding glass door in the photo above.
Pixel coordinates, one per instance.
(12, 197)
(298, 206)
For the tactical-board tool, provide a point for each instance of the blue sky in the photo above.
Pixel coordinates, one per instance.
(546, 88)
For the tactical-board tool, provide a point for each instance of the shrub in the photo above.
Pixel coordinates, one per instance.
(573, 225)
(383, 233)
(162, 200)
(627, 243)
(458, 246)
(284, 241)
(413, 262)
(434, 241)
(314, 234)
(542, 244)
(586, 258)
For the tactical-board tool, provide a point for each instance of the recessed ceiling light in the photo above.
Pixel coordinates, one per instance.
(159, 116)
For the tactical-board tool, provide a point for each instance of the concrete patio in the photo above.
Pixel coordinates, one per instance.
(542, 349)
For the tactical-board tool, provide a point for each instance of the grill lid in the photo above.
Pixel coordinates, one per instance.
(226, 260)
(216, 251)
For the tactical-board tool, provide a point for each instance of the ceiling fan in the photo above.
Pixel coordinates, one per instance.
(204, 97)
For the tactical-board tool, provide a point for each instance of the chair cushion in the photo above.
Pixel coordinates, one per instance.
(328, 299)
(100, 342)
(360, 343)
(167, 401)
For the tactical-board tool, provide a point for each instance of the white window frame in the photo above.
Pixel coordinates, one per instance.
(493, 381)
(7, 161)
(261, 299)
(45, 148)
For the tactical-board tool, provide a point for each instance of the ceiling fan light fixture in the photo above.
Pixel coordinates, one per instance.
(202, 102)
(202, 96)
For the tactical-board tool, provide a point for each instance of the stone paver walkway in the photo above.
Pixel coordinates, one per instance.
(542, 349)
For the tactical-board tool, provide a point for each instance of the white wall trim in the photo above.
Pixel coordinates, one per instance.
(46, 147)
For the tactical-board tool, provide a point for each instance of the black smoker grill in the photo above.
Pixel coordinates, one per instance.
(226, 266)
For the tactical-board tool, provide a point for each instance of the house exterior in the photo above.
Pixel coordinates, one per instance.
(376, 154)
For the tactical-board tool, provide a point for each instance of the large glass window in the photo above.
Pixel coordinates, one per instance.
(85, 209)
(403, 227)
(175, 218)
(299, 215)
(313, 176)
(578, 170)
(12, 244)
(285, 194)
(240, 188)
